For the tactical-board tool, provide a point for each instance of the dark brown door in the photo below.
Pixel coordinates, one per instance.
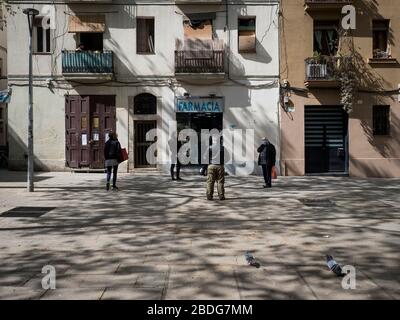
(141, 145)
(103, 120)
(88, 120)
(76, 125)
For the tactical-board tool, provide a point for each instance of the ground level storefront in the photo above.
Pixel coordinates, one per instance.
(318, 137)
(71, 126)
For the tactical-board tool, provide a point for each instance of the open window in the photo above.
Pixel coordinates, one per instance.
(380, 35)
(145, 103)
(89, 30)
(247, 35)
(41, 36)
(145, 36)
(326, 37)
(91, 41)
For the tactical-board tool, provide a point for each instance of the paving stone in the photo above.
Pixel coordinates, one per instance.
(326, 285)
(159, 239)
(19, 293)
(73, 294)
(132, 294)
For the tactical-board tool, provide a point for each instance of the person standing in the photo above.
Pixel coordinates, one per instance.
(216, 170)
(112, 156)
(267, 159)
(175, 164)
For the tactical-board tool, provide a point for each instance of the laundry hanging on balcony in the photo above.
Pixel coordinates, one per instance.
(5, 96)
(87, 23)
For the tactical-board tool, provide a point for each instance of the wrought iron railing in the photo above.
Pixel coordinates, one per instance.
(199, 61)
(322, 68)
(87, 61)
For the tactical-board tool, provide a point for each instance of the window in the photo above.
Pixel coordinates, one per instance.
(198, 29)
(247, 35)
(326, 37)
(145, 103)
(381, 120)
(41, 36)
(91, 41)
(145, 35)
(380, 34)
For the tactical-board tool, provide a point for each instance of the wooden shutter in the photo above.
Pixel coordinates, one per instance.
(87, 23)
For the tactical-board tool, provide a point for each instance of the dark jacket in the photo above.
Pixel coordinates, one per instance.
(267, 154)
(112, 150)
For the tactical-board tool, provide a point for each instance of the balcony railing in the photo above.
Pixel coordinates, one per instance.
(322, 68)
(88, 62)
(199, 61)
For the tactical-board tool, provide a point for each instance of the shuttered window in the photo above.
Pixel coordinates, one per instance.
(145, 36)
(247, 35)
(381, 120)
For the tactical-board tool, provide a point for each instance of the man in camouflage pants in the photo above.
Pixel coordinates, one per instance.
(216, 172)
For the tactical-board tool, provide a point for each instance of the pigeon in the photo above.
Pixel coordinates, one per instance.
(250, 259)
(334, 266)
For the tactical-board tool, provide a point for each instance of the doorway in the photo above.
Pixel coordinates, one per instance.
(140, 143)
(198, 121)
(326, 136)
(88, 120)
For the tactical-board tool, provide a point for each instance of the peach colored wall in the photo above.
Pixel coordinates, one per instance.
(369, 155)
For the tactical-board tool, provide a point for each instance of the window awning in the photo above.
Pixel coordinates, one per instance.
(87, 23)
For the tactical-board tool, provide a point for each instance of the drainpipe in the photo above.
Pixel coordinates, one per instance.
(228, 40)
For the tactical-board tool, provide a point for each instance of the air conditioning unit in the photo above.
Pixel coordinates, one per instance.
(317, 71)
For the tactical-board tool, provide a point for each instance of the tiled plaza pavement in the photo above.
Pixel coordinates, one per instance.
(158, 239)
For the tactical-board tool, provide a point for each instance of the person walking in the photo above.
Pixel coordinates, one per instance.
(216, 170)
(267, 159)
(112, 156)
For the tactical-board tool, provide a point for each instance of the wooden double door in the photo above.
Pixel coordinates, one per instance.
(88, 120)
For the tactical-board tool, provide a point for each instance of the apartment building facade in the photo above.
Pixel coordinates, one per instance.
(132, 66)
(317, 135)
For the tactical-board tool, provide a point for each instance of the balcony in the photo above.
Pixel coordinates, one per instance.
(323, 5)
(205, 63)
(322, 72)
(87, 64)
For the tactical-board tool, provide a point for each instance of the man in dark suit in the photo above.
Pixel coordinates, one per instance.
(267, 159)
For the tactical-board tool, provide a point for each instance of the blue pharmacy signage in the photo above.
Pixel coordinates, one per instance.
(5, 96)
(199, 104)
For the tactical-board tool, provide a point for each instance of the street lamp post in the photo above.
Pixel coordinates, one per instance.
(30, 13)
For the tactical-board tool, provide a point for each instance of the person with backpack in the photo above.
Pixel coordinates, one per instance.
(112, 156)
(267, 159)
